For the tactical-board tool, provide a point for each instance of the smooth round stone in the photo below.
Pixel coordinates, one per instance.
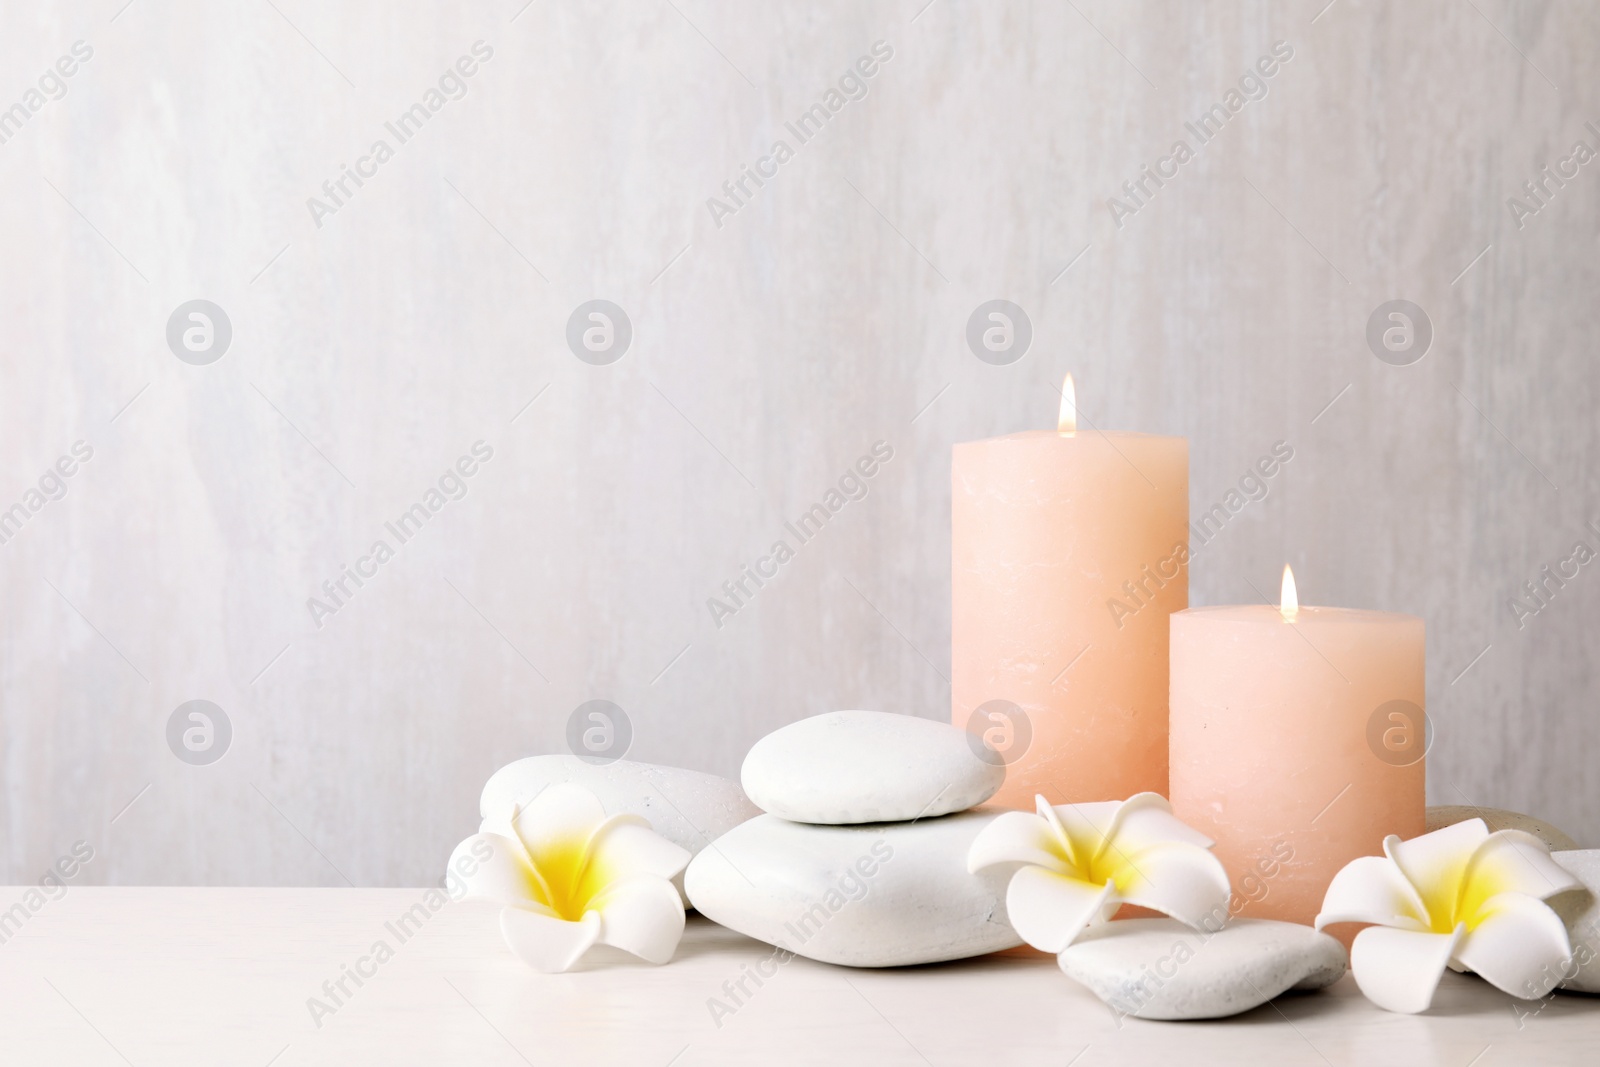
(876, 895)
(1498, 819)
(846, 767)
(1163, 969)
(1580, 910)
(689, 808)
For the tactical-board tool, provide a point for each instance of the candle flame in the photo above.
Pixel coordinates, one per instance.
(1289, 599)
(1067, 422)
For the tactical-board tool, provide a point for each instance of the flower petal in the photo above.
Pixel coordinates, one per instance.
(545, 942)
(562, 813)
(1371, 889)
(1518, 945)
(505, 877)
(1049, 910)
(643, 916)
(1016, 837)
(1146, 819)
(1436, 864)
(500, 823)
(1399, 970)
(1082, 828)
(1178, 879)
(625, 847)
(556, 828)
(1511, 861)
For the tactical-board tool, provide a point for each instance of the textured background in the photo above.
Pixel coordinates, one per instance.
(768, 354)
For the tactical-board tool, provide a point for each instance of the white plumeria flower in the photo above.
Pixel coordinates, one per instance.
(1459, 897)
(570, 877)
(1080, 862)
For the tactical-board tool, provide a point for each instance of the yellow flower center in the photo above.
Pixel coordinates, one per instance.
(1088, 860)
(1459, 893)
(565, 876)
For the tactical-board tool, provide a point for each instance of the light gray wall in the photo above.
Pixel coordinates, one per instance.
(768, 354)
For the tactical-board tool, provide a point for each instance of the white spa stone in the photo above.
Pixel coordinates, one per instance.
(846, 767)
(875, 895)
(1580, 910)
(1499, 819)
(688, 808)
(1162, 969)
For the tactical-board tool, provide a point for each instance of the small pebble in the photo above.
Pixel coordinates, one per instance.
(1163, 969)
(846, 767)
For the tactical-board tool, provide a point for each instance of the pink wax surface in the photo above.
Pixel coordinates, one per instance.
(1296, 746)
(1049, 530)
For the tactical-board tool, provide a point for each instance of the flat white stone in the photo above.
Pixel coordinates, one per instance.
(1499, 819)
(846, 767)
(688, 808)
(876, 895)
(1163, 969)
(1580, 910)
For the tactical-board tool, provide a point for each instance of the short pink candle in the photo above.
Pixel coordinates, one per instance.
(1069, 550)
(1298, 742)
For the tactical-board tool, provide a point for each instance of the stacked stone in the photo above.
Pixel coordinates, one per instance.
(861, 856)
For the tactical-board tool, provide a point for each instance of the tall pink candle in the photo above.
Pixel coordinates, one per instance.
(1297, 744)
(1069, 551)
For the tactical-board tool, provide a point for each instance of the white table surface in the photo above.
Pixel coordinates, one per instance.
(150, 976)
